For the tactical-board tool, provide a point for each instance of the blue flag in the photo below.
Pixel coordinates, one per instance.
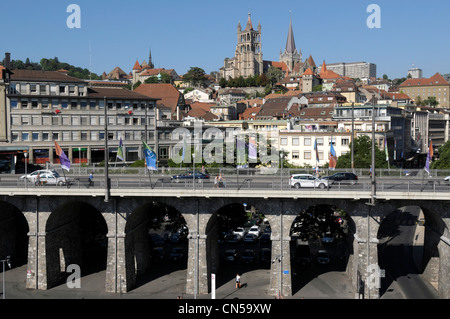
(150, 157)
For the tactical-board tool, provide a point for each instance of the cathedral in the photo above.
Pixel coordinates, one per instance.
(248, 57)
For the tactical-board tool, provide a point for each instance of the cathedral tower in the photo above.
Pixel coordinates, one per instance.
(290, 56)
(248, 55)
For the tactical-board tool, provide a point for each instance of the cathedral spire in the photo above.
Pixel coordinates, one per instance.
(290, 42)
(249, 22)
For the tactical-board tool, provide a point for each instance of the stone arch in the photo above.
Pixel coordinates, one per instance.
(14, 230)
(75, 233)
(138, 243)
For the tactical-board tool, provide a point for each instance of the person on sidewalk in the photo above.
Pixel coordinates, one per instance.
(238, 281)
(91, 179)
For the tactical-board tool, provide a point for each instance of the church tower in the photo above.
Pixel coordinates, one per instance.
(290, 56)
(248, 55)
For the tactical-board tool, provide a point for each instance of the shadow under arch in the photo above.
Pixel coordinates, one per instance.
(220, 239)
(151, 233)
(13, 235)
(75, 234)
(320, 227)
(409, 245)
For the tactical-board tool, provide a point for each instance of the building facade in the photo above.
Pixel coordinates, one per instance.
(361, 70)
(422, 89)
(44, 107)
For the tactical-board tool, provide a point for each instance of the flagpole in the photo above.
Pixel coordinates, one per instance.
(106, 153)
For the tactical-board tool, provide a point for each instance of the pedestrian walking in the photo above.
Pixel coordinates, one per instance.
(238, 281)
(91, 179)
(216, 182)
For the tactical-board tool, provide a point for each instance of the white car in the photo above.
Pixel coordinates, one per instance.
(255, 230)
(307, 180)
(47, 177)
(447, 179)
(240, 231)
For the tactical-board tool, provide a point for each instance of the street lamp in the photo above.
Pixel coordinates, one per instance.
(8, 261)
(25, 154)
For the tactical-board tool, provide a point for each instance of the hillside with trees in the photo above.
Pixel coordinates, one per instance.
(53, 65)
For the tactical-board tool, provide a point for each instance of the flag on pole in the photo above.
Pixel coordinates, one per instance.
(386, 149)
(63, 159)
(240, 152)
(317, 151)
(429, 158)
(150, 157)
(333, 158)
(120, 150)
(252, 149)
(183, 154)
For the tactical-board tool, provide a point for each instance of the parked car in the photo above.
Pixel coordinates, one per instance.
(248, 256)
(176, 253)
(447, 179)
(234, 239)
(239, 231)
(250, 238)
(255, 230)
(265, 238)
(189, 175)
(347, 178)
(230, 255)
(328, 238)
(322, 257)
(307, 180)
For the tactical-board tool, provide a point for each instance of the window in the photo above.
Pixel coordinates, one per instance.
(320, 141)
(84, 136)
(64, 104)
(36, 120)
(93, 120)
(62, 89)
(295, 155)
(34, 104)
(24, 104)
(75, 120)
(345, 141)
(25, 120)
(25, 136)
(307, 141)
(284, 141)
(45, 104)
(43, 88)
(295, 142)
(45, 136)
(55, 136)
(35, 136)
(13, 104)
(307, 155)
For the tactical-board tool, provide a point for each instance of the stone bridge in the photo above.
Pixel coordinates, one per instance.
(50, 221)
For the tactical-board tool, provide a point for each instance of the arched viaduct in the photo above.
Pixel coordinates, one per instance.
(51, 223)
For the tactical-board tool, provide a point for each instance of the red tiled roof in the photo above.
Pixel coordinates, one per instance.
(169, 95)
(436, 79)
(137, 66)
(1, 71)
(250, 113)
(308, 72)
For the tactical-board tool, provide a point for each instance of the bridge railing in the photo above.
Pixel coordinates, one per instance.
(240, 182)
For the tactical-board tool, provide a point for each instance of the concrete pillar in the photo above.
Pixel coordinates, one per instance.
(363, 268)
(444, 262)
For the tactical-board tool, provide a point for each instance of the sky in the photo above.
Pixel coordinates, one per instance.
(202, 33)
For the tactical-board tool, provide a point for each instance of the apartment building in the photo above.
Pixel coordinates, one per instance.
(435, 86)
(47, 106)
(361, 70)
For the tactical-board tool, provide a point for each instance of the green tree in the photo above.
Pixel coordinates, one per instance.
(363, 155)
(444, 157)
(223, 83)
(195, 75)
(274, 75)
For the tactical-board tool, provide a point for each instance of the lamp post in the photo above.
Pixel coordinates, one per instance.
(25, 154)
(8, 261)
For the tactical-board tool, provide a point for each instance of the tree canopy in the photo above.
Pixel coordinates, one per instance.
(444, 157)
(53, 65)
(195, 75)
(363, 155)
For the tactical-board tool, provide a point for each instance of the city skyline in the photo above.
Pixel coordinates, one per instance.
(203, 33)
